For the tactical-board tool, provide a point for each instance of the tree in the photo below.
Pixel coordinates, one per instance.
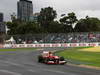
(55, 27)
(12, 28)
(68, 22)
(28, 28)
(89, 24)
(17, 26)
(46, 16)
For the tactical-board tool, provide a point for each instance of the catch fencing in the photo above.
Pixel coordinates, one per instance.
(52, 40)
(56, 38)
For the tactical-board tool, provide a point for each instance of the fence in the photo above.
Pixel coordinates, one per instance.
(55, 38)
(50, 45)
(51, 40)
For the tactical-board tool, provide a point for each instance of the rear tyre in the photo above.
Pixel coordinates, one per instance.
(62, 59)
(40, 59)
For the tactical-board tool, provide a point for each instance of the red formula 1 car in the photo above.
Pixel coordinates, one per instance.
(48, 58)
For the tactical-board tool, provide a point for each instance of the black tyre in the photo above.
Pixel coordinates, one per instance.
(46, 60)
(62, 59)
(62, 64)
(40, 59)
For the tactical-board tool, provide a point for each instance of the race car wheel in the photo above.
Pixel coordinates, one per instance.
(46, 60)
(40, 59)
(62, 64)
(62, 59)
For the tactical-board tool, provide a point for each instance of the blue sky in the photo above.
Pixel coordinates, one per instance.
(82, 8)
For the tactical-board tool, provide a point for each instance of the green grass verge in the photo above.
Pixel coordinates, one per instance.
(81, 57)
(17, 49)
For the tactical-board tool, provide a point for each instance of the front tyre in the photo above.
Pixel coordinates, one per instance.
(62, 59)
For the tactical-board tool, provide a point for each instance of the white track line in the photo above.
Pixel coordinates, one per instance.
(11, 63)
(9, 72)
(31, 70)
(60, 72)
(54, 71)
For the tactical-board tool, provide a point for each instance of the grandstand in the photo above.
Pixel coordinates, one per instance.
(57, 38)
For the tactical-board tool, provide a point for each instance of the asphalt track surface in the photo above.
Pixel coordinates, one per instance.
(25, 63)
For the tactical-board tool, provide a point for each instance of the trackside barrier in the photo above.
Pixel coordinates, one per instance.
(50, 45)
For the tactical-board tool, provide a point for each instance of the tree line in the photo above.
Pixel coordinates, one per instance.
(47, 23)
